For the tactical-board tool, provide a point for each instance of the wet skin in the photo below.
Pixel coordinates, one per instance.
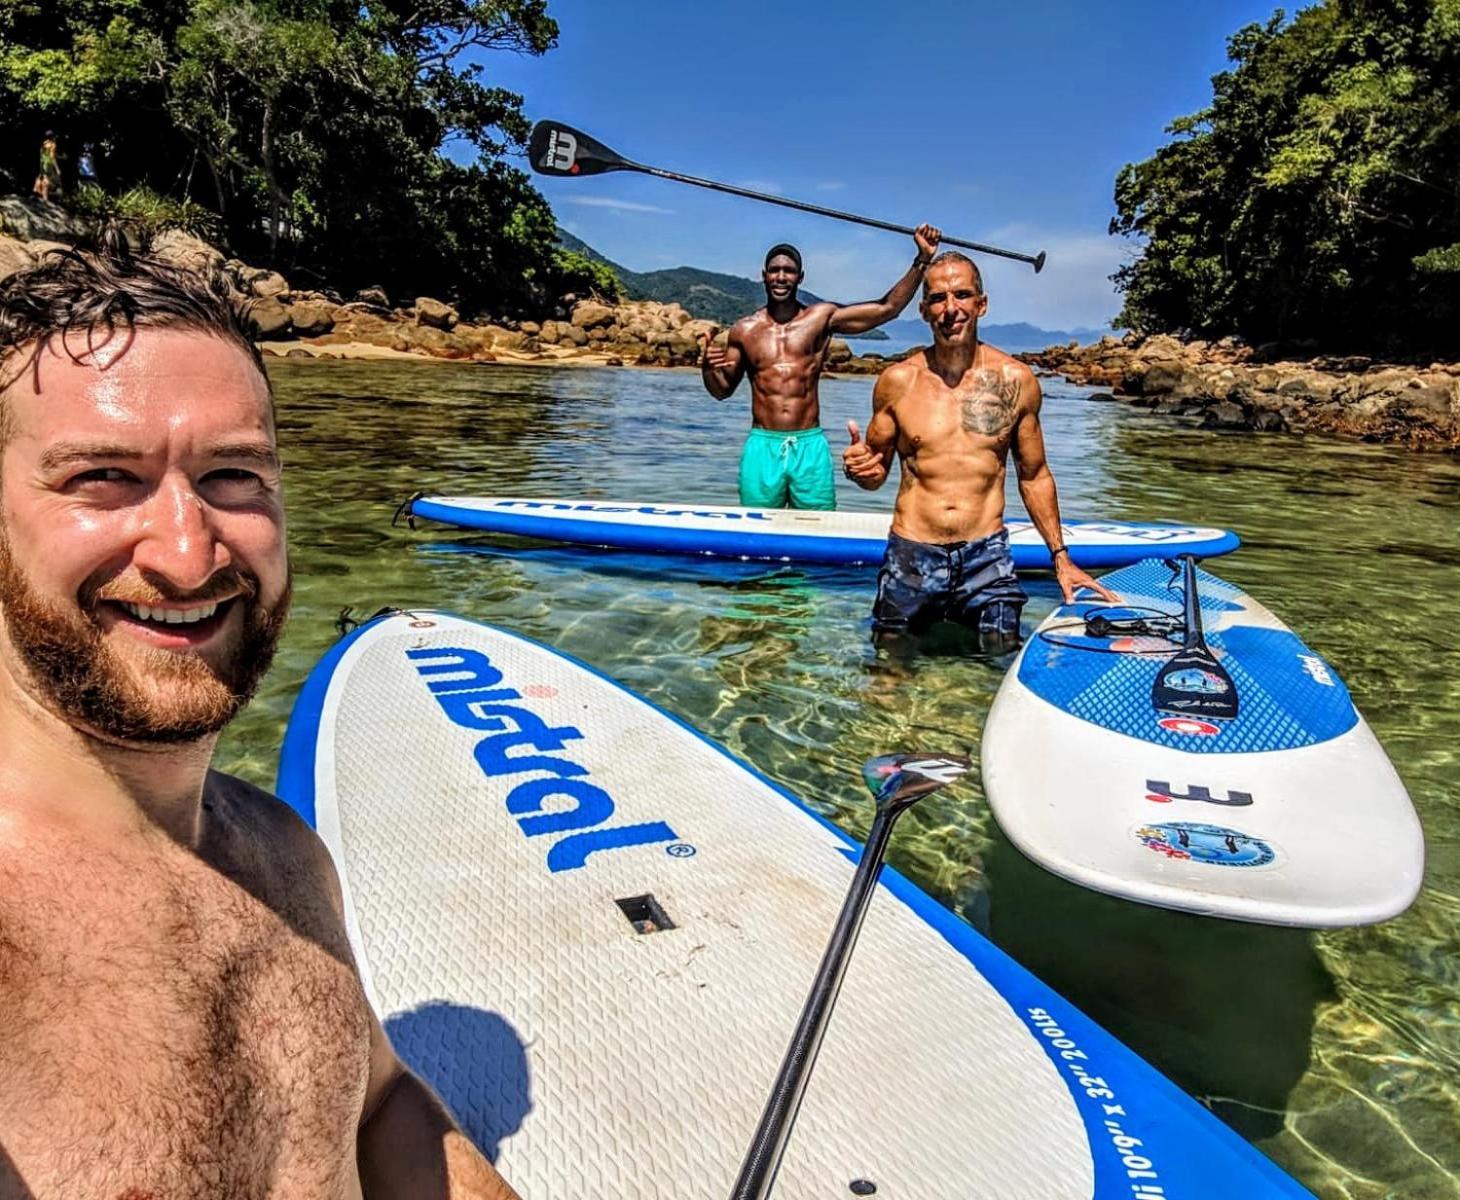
(953, 415)
(782, 347)
(183, 1016)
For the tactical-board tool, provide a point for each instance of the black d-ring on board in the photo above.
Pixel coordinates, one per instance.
(404, 509)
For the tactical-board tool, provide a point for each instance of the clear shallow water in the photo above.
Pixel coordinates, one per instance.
(1337, 1053)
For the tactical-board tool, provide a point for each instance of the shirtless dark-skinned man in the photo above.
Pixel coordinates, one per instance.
(952, 415)
(181, 1013)
(786, 461)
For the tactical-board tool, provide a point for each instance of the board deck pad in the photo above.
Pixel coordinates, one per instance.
(1289, 813)
(791, 535)
(509, 825)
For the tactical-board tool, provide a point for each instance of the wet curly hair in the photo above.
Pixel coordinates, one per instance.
(87, 296)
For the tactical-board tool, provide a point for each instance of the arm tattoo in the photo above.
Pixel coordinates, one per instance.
(989, 406)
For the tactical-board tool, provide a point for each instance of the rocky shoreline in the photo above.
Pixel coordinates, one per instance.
(1225, 383)
(1230, 385)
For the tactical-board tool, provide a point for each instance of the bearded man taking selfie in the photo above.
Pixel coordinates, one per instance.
(180, 1014)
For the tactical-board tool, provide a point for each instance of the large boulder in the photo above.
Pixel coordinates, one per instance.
(268, 318)
(182, 249)
(375, 297)
(28, 218)
(435, 313)
(270, 284)
(837, 352)
(312, 318)
(14, 257)
(590, 314)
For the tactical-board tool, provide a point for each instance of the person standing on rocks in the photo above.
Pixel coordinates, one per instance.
(953, 413)
(48, 178)
(786, 462)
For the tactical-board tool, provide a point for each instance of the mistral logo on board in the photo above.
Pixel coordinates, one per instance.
(464, 682)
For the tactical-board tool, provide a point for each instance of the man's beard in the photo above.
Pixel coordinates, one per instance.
(145, 694)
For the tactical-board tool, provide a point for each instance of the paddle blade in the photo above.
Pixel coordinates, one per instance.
(1192, 683)
(558, 149)
(902, 778)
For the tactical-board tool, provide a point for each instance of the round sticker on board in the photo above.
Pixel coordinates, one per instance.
(1214, 845)
(1190, 726)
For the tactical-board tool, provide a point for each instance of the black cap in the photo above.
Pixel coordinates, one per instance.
(788, 250)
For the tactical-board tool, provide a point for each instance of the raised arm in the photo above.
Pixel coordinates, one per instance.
(858, 318)
(722, 367)
(868, 463)
(1037, 488)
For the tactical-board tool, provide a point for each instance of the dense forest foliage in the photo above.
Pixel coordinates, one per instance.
(1318, 197)
(305, 134)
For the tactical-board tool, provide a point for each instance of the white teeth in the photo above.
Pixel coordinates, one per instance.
(170, 616)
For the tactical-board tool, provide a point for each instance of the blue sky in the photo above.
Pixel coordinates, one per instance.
(1001, 123)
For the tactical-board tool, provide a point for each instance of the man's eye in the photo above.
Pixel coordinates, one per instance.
(232, 475)
(101, 475)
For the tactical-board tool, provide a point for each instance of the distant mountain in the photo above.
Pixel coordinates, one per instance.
(706, 294)
(727, 298)
(1015, 337)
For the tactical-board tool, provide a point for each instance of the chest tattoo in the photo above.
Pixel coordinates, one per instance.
(990, 403)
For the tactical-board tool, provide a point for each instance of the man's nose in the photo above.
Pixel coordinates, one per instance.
(179, 540)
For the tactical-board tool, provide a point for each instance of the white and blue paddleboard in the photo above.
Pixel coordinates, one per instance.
(592, 931)
(1288, 814)
(791, 535)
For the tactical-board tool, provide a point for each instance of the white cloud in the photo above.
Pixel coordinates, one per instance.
(615, 205)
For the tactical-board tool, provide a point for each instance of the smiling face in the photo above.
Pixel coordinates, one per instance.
(953, 301)
(143, 573)
(781, 277)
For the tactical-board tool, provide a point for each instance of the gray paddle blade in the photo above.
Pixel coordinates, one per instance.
(558, 149)
(903, 778)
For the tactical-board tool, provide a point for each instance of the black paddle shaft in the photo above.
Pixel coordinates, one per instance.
(909, 778)
(556, 149)
(1192, 683)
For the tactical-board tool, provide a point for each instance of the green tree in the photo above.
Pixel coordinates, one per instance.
(1318, 196)
(315, 129)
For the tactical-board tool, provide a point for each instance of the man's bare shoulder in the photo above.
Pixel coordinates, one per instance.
(1010, 366)
(263, 839)
(899, 378)
(748, 324)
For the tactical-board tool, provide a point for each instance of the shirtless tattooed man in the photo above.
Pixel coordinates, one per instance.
(180, 1015)
(952, 414)
(786, 461)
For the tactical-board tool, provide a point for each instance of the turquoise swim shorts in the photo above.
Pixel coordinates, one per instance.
(787, 469)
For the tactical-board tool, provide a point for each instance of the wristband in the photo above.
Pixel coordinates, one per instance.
(921, 262)
(1057, 550)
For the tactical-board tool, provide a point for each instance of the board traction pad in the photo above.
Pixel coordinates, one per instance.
(595, 1061)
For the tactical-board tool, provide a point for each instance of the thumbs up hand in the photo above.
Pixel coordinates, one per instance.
(861, 465)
